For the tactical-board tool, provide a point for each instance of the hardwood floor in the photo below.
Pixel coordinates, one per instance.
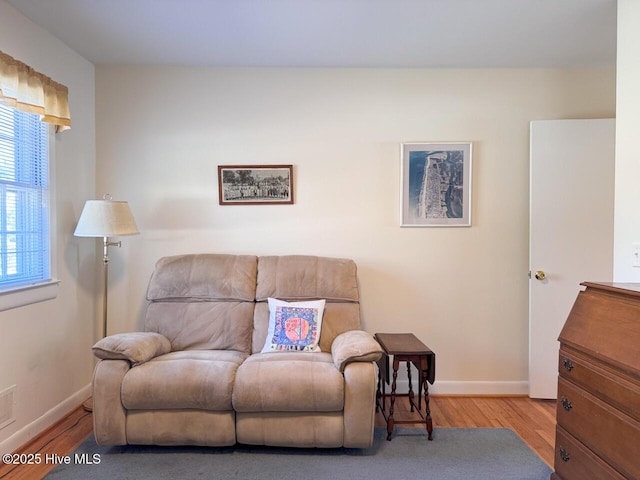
(533, 420)
(61, 439)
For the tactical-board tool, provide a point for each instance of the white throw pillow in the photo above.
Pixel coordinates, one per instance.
(294, 326)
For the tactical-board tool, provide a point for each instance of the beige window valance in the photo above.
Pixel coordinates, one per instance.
(25, 89)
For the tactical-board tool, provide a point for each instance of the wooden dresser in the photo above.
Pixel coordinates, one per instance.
(598, 410)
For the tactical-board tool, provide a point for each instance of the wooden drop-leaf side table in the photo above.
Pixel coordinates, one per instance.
(405, 347)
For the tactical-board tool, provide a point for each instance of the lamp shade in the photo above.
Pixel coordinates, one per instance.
(106, 218)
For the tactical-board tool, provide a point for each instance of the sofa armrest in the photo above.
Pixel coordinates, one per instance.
(109, 416)
(135, 347)
(360, 387)
(354, 346)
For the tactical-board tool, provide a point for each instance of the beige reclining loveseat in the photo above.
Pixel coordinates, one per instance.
(195, 375)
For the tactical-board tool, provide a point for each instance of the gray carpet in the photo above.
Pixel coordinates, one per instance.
(454, 453)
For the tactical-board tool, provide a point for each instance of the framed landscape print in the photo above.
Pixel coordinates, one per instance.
(436, 185)
(255, 184)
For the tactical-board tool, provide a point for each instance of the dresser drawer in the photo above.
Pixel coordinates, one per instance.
(604, 383)
(609, 433)
(574, 461)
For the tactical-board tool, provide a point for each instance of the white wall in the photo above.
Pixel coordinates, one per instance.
(627, 202)
(45, 348)
(463, 291)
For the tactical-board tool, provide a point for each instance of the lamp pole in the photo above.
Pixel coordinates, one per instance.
(105, 260)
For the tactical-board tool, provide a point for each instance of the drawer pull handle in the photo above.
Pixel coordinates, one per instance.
(566, 403)
(567, 364)
(564, 455)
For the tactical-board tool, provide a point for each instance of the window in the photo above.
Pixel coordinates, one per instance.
(25, 258)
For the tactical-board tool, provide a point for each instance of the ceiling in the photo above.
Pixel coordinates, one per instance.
(334, 33)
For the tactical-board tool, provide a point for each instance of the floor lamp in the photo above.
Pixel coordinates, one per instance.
(105, 218)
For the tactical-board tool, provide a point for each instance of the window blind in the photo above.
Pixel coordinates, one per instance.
(24, 199)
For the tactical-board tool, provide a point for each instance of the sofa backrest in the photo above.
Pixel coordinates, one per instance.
(203, 301)
(300, 277)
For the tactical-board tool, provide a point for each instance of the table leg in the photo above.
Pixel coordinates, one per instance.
(390, 422)
(428, 420)
(410, 385)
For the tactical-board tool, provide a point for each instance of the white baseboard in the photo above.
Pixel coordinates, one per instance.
(443, 387)
(39, 425)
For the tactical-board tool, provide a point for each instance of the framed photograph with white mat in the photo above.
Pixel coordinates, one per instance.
(435, 184)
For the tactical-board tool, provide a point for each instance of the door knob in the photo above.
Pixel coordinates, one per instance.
(540, 275)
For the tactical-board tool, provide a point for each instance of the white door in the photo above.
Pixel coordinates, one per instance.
(571, 231)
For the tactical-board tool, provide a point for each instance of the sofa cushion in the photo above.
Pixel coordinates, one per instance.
(293, 326)
(193, 379)
(293, 429)
(204, 277)
(179, 427)
(203, 325)
(288, 382)
(303, 277)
